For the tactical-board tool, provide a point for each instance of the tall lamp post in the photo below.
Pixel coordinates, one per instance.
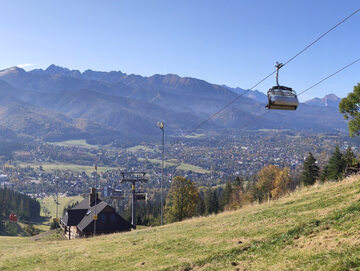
(161, 126)
(95, 217)
(57, 198)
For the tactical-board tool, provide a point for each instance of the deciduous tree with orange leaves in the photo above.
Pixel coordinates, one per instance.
(272, 182)
(181, 200)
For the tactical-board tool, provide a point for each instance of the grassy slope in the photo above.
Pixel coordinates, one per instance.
(314, 229)
(49, 204)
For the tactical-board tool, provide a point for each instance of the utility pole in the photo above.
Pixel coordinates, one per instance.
(57, 200)
(161, 126)
(133, 178)
(95, 214)
(56, 179)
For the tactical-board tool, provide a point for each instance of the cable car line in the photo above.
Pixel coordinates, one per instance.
(314, 85)
(335, 26)
(331, 75)
(228, 104)
(266, 77)
(322, 80)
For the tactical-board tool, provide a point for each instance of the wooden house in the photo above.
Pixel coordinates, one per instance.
(79, 220)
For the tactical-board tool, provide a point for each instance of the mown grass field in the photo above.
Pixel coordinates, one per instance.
(48, 210)
(48, 203)
(188, 167)
(50, 167)
(75, 143)
(179, 166)
(142, 148)
(316, 228)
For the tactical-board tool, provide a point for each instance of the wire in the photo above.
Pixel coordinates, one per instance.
(319, 38)
(266, 77)
(331, 75)
(228, 104)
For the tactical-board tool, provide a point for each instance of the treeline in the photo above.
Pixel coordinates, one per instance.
(22, 205)
(334, 170)
(338, 162)
(185, 200)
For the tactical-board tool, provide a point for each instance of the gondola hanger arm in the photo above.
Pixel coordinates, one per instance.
(278, 67)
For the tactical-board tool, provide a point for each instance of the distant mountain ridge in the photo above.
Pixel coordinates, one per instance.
(128, 106)
(329, 100)
(252, 94)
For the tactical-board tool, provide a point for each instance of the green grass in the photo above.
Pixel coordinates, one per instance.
(44, 221)
(179, 166)
(48, 210)
(48, 203)
(75, 143)
(140, 147)
(158, 161)
(187, 167)
(316, 228)
(49, 167)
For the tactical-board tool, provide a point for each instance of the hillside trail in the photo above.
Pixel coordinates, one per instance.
(43, 234)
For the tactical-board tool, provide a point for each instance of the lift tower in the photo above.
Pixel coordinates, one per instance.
(133, 177)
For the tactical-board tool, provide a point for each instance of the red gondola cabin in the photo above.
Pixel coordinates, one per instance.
(13, 217)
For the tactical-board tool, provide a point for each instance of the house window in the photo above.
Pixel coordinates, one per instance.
(112, 217)
(103, 218)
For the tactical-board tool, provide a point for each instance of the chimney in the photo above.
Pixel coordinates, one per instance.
(92, 195)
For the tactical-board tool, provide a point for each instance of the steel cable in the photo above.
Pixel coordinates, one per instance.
(266, 77)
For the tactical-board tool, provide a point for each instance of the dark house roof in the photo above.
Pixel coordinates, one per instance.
(84, 204)
(88, 218)
(73, 216)
(82, 216)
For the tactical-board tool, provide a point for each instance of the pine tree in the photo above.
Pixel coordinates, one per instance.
(200, 207)
(336, 165)
(310, 170)
(349, 157)
(211, 202)
(226, 195)
(239, 183)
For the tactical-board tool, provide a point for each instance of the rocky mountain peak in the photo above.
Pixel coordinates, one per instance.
(12, 70)
(328, 100)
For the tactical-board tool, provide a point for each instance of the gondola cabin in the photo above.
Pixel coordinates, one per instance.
(283, 98)
(13, 217)
(280, 97)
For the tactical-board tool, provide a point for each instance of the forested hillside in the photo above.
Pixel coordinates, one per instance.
(23, 206)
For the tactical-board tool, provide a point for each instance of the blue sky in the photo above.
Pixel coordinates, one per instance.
(224, 42)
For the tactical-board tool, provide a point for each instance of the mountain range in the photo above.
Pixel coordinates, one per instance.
(58, 103)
